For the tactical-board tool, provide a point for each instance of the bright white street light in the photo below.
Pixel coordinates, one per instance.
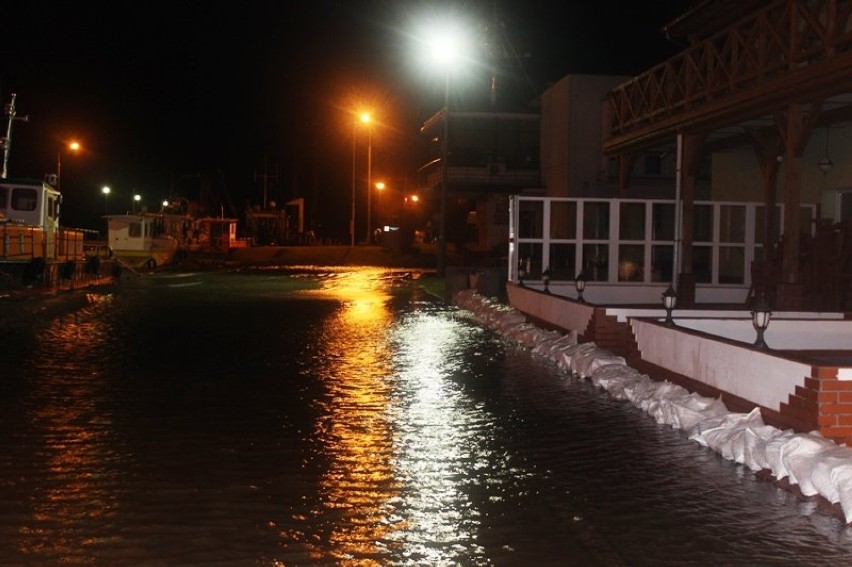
(106, 190)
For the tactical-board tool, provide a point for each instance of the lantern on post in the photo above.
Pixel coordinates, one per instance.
(580, 285)
(669, 301)
(760, 316)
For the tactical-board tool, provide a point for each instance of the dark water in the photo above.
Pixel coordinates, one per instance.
(345, 418)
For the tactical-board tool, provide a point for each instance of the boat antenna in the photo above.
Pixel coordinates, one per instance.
(6, 142)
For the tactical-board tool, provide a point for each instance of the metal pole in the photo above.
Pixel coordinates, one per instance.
(58, 169)
(678, 213)
(442, 235)
(352, 217)
(369, 183)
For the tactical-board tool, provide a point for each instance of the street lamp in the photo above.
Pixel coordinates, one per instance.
(73, 146)
(380, 187)
(365, 118)
(136, 198)
(446, 51)
(106, 190)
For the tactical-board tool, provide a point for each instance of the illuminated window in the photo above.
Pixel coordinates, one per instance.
(24, 199)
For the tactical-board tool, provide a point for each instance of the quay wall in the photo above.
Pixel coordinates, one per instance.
(800, 392)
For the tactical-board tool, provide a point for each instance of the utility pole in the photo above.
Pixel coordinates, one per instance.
(11, 116)
(266, 176)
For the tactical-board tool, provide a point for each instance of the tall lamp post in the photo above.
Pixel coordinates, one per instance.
(446, 51)
(73, 146)
(106, 190)
(352, 215)
(365, 118)
(380, 187)
(442, 219)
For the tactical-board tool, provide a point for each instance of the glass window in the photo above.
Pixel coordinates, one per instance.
(702, 264)
(134, 230)
(631, 221)
(596, 262)
(662, 257)
(563, 261)
(529, 258)
(563, 219)
(662, 216)
(631, 258)
(531, 219)
(732, 220)
(24, 199)
(596, 221)
(731, 265)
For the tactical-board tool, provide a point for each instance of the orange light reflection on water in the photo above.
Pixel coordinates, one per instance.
(73, 497)
(354, 432)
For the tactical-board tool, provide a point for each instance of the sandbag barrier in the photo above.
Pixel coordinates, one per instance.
(809, 461)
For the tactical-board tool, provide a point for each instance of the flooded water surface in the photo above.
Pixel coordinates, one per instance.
(345, 417)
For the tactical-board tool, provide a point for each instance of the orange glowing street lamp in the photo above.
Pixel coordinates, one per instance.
(380, 187)
(364, 118)
(73, 146)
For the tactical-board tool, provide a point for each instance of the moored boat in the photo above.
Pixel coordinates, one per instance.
(147, 240)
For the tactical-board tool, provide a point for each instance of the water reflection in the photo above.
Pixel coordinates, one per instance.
(72, 497)
(353, 433)
(436, 442)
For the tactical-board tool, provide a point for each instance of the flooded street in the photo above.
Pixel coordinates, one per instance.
(346, 417)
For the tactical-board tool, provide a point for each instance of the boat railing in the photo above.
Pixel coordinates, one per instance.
(23, 243)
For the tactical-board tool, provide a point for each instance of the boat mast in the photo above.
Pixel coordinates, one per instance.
(6, 142)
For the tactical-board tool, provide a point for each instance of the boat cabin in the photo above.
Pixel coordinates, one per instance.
(30, 203)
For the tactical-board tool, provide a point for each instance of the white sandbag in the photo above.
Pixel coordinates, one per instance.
(841, 479)
(602, 375)
(584, 360)
(755, 440)
(671, 409)
(717, 435)
(798, 455)
(636, 392)
(690, 410)
(831, 466)
(599, 361)
(773, 453)
(614, 378)
(548, 342)
(744, 440)
(579, 350)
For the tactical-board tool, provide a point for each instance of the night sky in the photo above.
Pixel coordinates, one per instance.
(168, 96)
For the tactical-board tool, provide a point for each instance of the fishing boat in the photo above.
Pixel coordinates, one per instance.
(36, 252)
(147, 240)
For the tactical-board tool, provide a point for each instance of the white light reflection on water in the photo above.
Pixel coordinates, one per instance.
(435, 444)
